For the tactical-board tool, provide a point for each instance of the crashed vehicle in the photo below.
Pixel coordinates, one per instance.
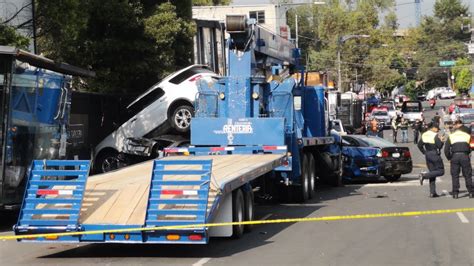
(366, 157)
(165, 108)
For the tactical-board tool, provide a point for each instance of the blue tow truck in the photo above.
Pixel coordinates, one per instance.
(256, 130)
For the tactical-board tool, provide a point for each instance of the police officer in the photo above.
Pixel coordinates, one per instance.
(430, 145)
(457, 150)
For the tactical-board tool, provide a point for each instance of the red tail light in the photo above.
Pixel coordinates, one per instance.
(195, 78)
(407, 154)
(195, 237)
(385, 154)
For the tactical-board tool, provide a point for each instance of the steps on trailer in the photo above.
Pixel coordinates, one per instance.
(53, 195)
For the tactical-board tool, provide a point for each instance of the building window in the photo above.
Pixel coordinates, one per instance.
(258, 15)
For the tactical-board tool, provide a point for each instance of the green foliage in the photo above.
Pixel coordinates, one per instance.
(438, 38)
(462, 75)
(9, 37)
(411, 90)
(126, 42)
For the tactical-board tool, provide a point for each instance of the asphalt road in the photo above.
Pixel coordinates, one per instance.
(444, 239)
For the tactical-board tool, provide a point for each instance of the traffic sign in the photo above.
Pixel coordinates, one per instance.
(447, 63)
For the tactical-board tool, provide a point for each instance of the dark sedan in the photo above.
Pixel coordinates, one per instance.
(373, 157)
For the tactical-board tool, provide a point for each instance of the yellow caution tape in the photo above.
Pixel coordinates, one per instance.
(274, 221)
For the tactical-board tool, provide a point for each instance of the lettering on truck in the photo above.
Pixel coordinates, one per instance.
(231, 128)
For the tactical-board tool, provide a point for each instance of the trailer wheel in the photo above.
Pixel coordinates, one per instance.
(238, 213)
(312, 176)
(249, 208)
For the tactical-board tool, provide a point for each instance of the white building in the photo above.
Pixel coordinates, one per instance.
(272, 17)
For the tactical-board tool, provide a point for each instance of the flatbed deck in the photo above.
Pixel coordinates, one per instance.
(120, 197)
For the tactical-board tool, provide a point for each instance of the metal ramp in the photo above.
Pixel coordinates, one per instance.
(178, 196)
(53, 196)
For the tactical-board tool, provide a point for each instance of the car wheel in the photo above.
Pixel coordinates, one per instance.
(180, 118)
(107, 161)
(392, 178)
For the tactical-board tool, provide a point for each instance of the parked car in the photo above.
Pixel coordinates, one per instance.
(465, 114)
(368, 157)
(412, 111)
(421, 96)
(392, 111)
(382, 117)
(167, 106)
(400, 99)
(447, 94)
(472, 136)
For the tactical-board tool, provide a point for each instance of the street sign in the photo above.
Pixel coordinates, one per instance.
(470, 48)
(446, 63)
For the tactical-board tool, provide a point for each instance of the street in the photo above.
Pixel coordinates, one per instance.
(440, 239)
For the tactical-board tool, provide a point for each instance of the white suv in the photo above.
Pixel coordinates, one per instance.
(166, 106)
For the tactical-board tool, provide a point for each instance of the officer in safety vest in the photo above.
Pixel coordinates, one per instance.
(430, 145)
(458, 151)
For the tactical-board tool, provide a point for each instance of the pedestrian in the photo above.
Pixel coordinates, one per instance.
(417, 127)
(458, 150)
(442, 124)
(373, 127)
(430, 145)
(404, 128)
(395, 128)
(436, 118)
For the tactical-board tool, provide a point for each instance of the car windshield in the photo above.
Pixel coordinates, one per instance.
(375, 142)
(380, 113)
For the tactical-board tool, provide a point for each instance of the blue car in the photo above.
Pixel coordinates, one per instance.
(367, 157)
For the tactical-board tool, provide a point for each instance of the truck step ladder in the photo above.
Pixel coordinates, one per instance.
(53, 196)
(179, 197)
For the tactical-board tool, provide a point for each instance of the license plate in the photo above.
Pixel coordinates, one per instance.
(396, 155)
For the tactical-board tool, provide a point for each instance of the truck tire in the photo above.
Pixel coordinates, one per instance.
(249, 208)
(238, 213)
(180, 118)
(302, 191)
(312, 176)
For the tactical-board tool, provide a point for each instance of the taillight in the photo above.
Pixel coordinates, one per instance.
(385, 154)
(195, 237)
(407, 154)
(195, 78)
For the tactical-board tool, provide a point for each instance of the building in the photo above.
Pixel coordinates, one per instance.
(272, 17)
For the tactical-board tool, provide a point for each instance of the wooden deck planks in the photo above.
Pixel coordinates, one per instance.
(121, 197)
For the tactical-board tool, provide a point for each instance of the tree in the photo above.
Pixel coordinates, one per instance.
(126, 42)
(9, 37)
(462, 75)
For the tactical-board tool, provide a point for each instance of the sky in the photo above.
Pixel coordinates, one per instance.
(405, 8)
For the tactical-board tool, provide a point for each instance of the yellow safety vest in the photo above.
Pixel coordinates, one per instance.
(429, 137)
(459, 137)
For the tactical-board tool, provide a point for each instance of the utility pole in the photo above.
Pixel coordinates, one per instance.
(340, 42)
